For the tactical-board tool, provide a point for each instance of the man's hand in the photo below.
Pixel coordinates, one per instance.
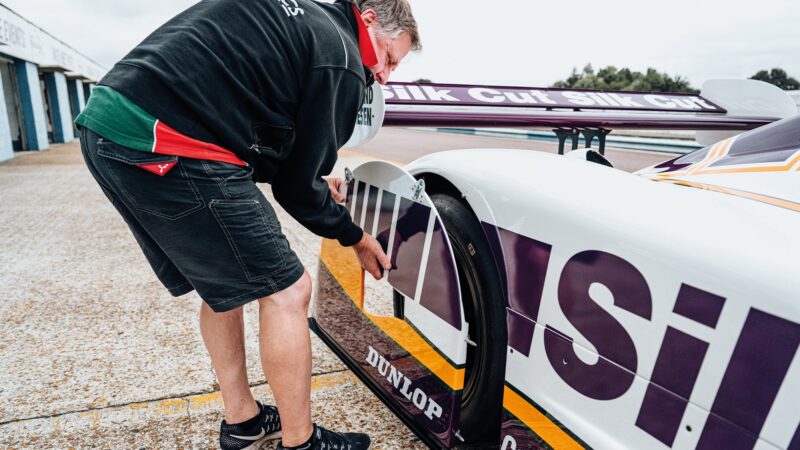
(335, 184)
(371, 256)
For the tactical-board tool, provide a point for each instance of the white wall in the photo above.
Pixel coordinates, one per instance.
(24, 40)
(64, 111)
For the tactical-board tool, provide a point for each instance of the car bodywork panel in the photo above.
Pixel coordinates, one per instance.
(610, 277)
(761, 165)
(641, 312)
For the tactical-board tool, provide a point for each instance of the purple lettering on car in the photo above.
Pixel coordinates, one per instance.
(603, 380)
(520, 331)
(755, 372)
(677, 366)
(699, 305)
(526, 271)
(723, 434)
(671, 384)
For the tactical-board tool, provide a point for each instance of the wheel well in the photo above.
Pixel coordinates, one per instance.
(437, 184)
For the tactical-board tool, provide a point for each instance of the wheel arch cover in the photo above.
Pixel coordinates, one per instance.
(415, 363)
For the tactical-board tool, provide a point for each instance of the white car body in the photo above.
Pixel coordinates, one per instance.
(654, 310)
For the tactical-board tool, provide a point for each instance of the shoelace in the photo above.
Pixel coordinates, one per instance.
(332, 439)
(273, 421)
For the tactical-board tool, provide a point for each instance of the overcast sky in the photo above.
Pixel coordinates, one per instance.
(514, 42)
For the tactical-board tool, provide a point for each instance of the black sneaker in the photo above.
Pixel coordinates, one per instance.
(322, 439)
(237, 437)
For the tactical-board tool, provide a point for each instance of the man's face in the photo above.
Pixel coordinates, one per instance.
(389, 51)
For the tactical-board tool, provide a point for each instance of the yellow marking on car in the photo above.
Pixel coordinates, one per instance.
(343, 263)
(708, 159)
(779, 167)
(719, 151)
(538, 422)
(344, 266)
(744, 194)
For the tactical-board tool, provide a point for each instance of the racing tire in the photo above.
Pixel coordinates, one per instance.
(484, 309)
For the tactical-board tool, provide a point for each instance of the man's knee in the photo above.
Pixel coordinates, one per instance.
(302, 290)
(295, 297)
(208, 312)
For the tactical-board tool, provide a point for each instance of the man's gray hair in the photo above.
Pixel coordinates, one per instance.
(394, 18)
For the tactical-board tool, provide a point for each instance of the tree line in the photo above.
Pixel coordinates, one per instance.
(624, 79)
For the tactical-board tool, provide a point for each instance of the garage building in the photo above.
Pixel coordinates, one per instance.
(45, 84)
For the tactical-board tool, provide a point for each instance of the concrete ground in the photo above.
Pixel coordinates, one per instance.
(94, 353)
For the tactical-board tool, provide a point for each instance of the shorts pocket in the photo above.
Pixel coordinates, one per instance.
(234, 181)
(171, 196)
(254, 235)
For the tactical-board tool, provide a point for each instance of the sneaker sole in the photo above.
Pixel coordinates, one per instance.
(257, 444)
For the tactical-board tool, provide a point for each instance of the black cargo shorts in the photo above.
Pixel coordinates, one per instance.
(203, 225)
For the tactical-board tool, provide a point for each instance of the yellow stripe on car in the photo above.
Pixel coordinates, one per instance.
(343, 264)
(538, 422)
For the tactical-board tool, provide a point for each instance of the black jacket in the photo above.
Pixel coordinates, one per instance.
(278, 82)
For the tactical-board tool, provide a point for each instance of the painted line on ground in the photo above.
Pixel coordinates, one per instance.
(181, 405)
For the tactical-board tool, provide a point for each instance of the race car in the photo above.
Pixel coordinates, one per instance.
(539, 301)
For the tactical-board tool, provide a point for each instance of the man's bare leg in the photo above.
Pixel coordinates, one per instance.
(285, 346)
(223, 334)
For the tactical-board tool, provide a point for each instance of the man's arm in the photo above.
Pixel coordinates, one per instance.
(324, 122)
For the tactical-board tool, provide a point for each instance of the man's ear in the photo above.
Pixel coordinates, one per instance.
(370, 17)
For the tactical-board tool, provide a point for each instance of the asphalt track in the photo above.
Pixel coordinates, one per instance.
(95, 354)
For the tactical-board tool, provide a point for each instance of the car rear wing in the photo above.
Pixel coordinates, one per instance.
(723, 108)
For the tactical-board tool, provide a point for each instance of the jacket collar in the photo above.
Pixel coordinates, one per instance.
(366, 46)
